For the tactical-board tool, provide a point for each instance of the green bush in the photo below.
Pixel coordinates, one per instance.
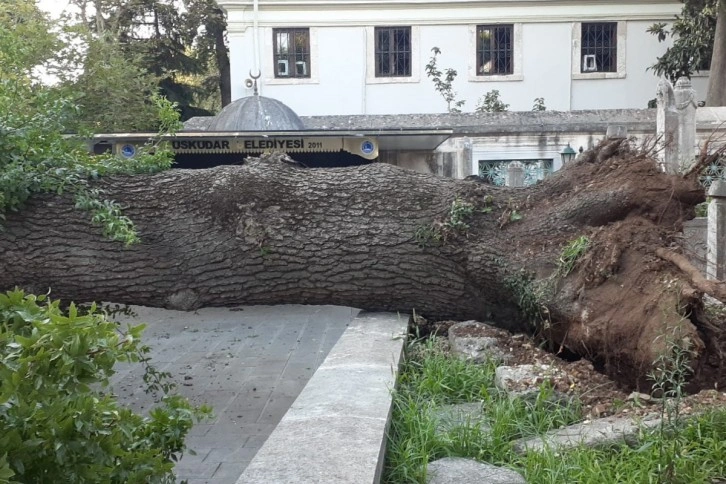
(58, 419)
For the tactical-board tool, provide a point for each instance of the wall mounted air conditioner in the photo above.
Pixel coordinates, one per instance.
(283, 67)
(301, 68)
(589, 63)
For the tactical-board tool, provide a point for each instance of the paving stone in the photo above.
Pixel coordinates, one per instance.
(526, 380)
(457, 470)
(449, 417)
(478, 349)
(592, 433)
(236, 361)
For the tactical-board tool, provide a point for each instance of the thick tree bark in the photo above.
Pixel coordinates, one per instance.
(270, 233)
(717, 77)
(258, 234)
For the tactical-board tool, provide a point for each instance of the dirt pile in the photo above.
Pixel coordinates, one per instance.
(630, 297)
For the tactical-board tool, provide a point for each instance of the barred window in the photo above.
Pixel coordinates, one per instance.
(393, 51)
(599, 52)
(494, 49)
(291, 52)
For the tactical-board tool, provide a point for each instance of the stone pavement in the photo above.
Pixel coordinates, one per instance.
(335, 432)
(248, 363)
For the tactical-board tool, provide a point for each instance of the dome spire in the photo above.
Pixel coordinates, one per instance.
(254, 81)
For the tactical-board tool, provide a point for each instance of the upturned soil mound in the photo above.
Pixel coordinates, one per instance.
(631, 299)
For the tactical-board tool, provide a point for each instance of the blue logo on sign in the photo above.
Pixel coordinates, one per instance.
(128, 150)
(367, 147)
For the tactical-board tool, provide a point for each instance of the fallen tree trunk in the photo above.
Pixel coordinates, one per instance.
(381, 238)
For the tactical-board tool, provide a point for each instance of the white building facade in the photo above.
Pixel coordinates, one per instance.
(340, 57)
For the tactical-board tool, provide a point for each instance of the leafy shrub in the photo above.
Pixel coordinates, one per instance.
(443, 82)
(57, 417)
(539, 104)
(491, 102)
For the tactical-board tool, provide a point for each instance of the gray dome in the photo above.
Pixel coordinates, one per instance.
(256, 113)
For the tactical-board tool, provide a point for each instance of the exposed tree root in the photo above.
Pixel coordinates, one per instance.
(716, 289)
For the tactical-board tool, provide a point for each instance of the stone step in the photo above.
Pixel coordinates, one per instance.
(335, 432)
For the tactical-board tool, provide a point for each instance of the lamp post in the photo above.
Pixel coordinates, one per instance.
(567, 154)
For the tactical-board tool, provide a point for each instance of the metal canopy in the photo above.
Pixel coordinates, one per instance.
(388, 140)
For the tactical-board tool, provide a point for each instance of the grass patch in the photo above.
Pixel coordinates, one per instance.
(431, 378)
(571, 254)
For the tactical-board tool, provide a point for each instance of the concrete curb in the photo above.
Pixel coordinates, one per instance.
(335, 431)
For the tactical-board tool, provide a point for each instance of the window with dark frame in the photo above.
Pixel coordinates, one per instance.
(704, 64)
(494, 50)
(599, 51)
(291, 49)
(393, 51)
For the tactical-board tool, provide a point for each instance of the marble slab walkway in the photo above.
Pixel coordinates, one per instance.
(249, 363)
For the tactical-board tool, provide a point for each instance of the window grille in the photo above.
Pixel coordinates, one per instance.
(494, 49)
(495, 171)
(291, 52)
(599, 47)
(393, 51)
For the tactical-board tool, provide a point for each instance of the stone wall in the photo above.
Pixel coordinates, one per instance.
(694, 242)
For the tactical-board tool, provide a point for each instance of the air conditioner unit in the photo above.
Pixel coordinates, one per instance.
(283, 68)
(301, 68)
(589, 63)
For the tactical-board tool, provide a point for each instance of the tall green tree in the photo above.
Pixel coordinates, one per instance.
(699, 43)
(19, 60)
(211, 44)
(114, 90)
(717, 80)
(180, 42)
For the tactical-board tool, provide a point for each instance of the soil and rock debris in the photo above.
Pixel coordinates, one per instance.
(599, 395)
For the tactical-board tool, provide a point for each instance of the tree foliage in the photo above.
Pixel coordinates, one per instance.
(58, 419)
(22, 20)
(114, 90)
(57, 416)
(37, 154)
(181, 43)
(693, 36)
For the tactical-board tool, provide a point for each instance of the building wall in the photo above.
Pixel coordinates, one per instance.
(546, 54)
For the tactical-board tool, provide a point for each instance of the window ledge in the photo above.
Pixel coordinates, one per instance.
(291, 81)
(598, 75)
(701, 74)
(393, 80)
(497, 78)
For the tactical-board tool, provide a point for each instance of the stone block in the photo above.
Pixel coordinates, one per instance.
(525, 380)
(457, 470)
(617, 131)
(336, 429)
(716, 238)
(695, 242)
(476, 342)
(717, 189)
(594, 433)
(450, 417)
